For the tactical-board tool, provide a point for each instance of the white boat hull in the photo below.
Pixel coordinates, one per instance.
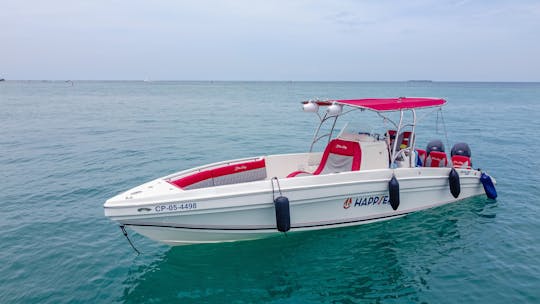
(246, 211)
(347, 184)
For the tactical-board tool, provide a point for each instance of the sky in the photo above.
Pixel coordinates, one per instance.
(298, 40)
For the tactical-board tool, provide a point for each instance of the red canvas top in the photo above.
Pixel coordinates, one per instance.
(388, 104)
(393, 104)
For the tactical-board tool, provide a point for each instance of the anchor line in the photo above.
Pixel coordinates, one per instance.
(123, 228)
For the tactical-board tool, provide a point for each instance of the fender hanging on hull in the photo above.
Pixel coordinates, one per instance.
(455, 186)
(393, 191)
(489, 187)
(283, 214)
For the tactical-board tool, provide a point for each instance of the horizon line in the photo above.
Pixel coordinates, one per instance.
(239, 80)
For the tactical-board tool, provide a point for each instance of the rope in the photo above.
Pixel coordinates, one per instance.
(445, 133)
(444, 127)
(127, 237)
(437, 122)
(279, 188)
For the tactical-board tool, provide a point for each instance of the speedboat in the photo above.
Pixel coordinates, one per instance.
(361, 176)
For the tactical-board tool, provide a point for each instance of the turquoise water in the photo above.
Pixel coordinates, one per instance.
(66, 149)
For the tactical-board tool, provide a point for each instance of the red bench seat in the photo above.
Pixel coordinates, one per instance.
(226, 175)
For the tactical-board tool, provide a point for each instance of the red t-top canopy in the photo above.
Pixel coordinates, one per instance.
(393, 104)
(389, 104)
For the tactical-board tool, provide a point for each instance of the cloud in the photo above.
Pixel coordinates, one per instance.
(311, 40)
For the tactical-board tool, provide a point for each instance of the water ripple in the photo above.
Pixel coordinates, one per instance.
(66, 150)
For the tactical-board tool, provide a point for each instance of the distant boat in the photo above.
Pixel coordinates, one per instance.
(2, 79)
(420, 80)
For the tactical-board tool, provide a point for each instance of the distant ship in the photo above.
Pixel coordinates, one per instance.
(420, 80)
(2, 79)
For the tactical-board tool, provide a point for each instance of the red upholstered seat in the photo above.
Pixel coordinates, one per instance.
(461, 162)
(226, 175)
(436, 159)
(339, 156)
(404, 138)
(422, 156)
(198, 180)
(392, 134)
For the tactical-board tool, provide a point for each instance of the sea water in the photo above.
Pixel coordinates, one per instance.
(65, 149)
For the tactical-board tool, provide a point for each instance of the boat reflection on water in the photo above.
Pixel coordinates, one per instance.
(396, 259)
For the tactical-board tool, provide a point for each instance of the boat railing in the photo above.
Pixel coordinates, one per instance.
(407, 155)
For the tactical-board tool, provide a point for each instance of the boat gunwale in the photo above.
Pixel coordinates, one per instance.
(205, 192)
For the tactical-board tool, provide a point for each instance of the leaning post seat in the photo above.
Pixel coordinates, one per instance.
(391, 137)
(461, 162)
(404, 138)
(421, 156)
(391, 134)
(436, 159)
(226, 175)
(339, 156)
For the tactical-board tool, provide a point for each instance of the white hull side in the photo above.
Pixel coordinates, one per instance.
(246, 211)
(182, 236)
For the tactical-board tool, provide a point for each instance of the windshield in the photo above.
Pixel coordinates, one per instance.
(357, 128)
